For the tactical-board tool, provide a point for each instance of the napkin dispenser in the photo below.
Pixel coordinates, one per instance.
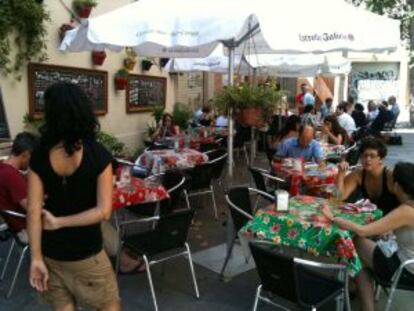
(282, 200)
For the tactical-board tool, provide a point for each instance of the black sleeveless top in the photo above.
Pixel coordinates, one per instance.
(71, 195)
(387, 201)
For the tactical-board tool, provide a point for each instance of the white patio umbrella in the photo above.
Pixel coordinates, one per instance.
(182, 28)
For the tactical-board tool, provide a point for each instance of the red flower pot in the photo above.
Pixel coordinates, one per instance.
(121, 83)
(98, 57)
(250, 116)
(84, 11)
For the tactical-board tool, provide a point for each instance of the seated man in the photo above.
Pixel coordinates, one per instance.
(303, 146)
(13, 185)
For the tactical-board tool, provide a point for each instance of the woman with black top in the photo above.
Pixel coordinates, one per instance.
(374, 180)
(74, 173)
(335, 133)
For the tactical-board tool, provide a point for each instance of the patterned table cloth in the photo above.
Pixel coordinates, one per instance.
(212, 131)
(137, 192)
(314, 180)
(171, 159)
(332, 151)
(304, 227)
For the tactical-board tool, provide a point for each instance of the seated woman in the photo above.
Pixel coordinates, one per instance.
(289, 130)
(166, 129)
(207, 116)
(335, 133)
(374, 180)
(401, 221)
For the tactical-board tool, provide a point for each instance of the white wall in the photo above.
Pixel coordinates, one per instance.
(127, 127)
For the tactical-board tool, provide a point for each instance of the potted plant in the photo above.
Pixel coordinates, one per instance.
(163, 62)
(131, 59)
(157, 113)
(83, 7)
(98, 57)
(63, 28)
(181, 115)
(121, 79)
(250, 103)
(146, 64)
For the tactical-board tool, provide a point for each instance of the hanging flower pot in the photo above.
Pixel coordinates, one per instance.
(163, 62)
(146, 65)
(84, 7)
(98, 57)
(129, 63)
(63, 28)
(121, 79)
(250, 116)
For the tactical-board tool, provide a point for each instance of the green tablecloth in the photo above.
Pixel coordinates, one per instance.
(306, 228)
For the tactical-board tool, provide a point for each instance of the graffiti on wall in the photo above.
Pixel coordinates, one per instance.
(372, 71)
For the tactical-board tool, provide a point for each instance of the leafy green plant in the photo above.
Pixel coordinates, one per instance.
(116, 147)
(246, 96)
(157, 113)
(122, 73)
(24, 23)
(31, 124)
(181, 115)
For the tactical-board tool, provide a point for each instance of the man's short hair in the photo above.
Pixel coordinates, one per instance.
(23, 142)
(329, 99)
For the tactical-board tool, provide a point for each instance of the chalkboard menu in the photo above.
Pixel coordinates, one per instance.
(93, 82)
(145, 92)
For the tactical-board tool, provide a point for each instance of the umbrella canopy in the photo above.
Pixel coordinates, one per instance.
(182, 28)
(299, 65)
(217, 62)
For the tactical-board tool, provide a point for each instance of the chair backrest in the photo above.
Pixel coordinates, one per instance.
(258, 178)
(15, 222)
(198, 177)
(218, 164)
(172, 229)
(275, 269)
(238, 201)
(352, 154)
(174, 182)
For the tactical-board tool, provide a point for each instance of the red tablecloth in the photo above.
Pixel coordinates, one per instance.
(184, 158)
(314, 180)
(138, 192)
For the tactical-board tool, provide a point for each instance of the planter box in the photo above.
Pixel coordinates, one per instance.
(98, 57)
(84, 11)
(250, 116)
(121, 83)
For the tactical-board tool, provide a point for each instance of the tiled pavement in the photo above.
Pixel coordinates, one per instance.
(172, 281)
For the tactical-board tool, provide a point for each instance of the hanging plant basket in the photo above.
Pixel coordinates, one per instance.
(83, 11)
(63, 28)
(146, 65)
(98, 57)
(250, 116)
(163, 62)
(121, 83)
(129, 63)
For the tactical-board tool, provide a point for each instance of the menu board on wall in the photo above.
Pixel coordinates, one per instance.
(93, 82)
(145, 92)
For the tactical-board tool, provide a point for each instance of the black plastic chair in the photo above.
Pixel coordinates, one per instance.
(198, 182)
(297, 280)
(169, 236)
(260, 175)
(219, 159)
(22, 246)
(241, 211)
(400, 280)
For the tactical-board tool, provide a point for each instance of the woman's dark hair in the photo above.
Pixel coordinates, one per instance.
(336, 128)
(359, 107)
(69, 117)
(291, 124)
(403, 174)
(375, 144)
(165, 116)
(308, 109)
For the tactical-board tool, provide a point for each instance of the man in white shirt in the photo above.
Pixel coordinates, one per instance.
(344, 119)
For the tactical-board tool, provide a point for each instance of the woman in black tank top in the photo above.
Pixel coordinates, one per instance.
(374, 180)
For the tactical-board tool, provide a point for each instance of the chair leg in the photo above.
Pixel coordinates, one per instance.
(16, 273)
(190, 261)
(6, 263)
(187, 200)
(245, 155)
(256, 299)
(377, 293)
(226, 261)
(147, 267)
(214, 202)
